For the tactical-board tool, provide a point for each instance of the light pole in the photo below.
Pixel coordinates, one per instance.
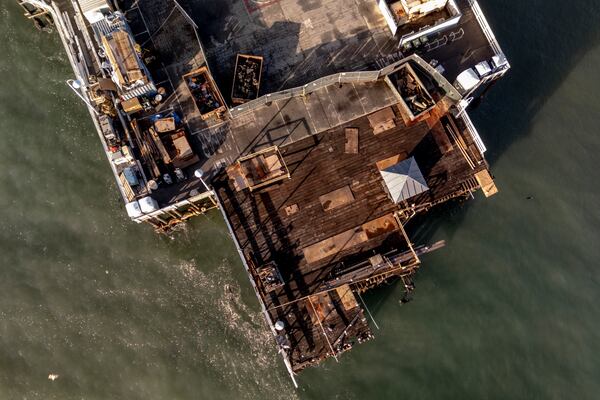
(75, 85)
(199, 174)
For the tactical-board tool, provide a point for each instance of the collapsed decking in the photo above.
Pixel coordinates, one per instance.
(359, 131)
(334, 227)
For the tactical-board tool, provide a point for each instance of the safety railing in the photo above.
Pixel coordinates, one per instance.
(485, 27)
(473, 132)
(344, 77)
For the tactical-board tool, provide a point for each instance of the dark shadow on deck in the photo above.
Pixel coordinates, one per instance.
(300, 41)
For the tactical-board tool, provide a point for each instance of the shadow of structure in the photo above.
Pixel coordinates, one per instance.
(297, 45)
(295, 52)
(543, 47)
(172, 49)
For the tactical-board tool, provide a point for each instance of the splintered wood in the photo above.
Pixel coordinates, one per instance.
(322, 307)
(165, 125)
(441, 138)
(337, 198)
(391, 161)
(351, 146)
(291, 210)
(125, 50)
(124, 57)
(347, 297)
(333, 245)
(258, 170)
(382, 121)
(129, 193)
(160, 146)
(131, 106)
(350, 238)
(380, 226)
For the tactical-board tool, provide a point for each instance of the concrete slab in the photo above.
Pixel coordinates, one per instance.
(316, 112)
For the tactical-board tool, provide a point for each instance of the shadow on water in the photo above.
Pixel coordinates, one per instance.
(534, 37)
(541, 60)
(542, 56)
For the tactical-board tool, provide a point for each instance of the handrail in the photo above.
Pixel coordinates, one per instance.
(346, 77)
(485, 27)
(343, 77)
(474, 133)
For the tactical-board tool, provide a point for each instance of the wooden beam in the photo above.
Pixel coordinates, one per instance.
(333, 353)
(487, 183)
(39, 14)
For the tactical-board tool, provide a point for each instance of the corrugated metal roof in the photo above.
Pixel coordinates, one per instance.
(104, 27)
(139, 91)
(404, 180)
(89, 5)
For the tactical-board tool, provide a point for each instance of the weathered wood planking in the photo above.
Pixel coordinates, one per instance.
(277, 223)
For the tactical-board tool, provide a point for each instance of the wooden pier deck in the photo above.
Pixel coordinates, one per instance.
(326, 228)
(282, 223)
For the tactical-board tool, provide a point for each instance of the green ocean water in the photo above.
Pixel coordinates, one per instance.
(510, 309)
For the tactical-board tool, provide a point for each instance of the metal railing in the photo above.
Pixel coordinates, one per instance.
(343, 77)
(473, 132)
(485, 27)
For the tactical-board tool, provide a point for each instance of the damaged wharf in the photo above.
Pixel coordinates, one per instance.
(319, 133)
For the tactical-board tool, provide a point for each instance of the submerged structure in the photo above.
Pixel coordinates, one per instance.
(319, 129)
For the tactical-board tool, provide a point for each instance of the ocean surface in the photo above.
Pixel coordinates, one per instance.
(510, 309)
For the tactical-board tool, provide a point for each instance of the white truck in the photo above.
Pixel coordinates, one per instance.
(469, 80)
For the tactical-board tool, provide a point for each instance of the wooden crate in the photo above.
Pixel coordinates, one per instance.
(205, 93)
(246, 78)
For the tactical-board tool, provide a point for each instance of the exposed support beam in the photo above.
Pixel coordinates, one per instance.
(333, 352)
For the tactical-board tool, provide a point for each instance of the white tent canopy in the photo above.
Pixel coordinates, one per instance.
(404, 180)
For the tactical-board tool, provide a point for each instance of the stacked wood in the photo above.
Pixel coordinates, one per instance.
(143, 143)
(160, 146)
